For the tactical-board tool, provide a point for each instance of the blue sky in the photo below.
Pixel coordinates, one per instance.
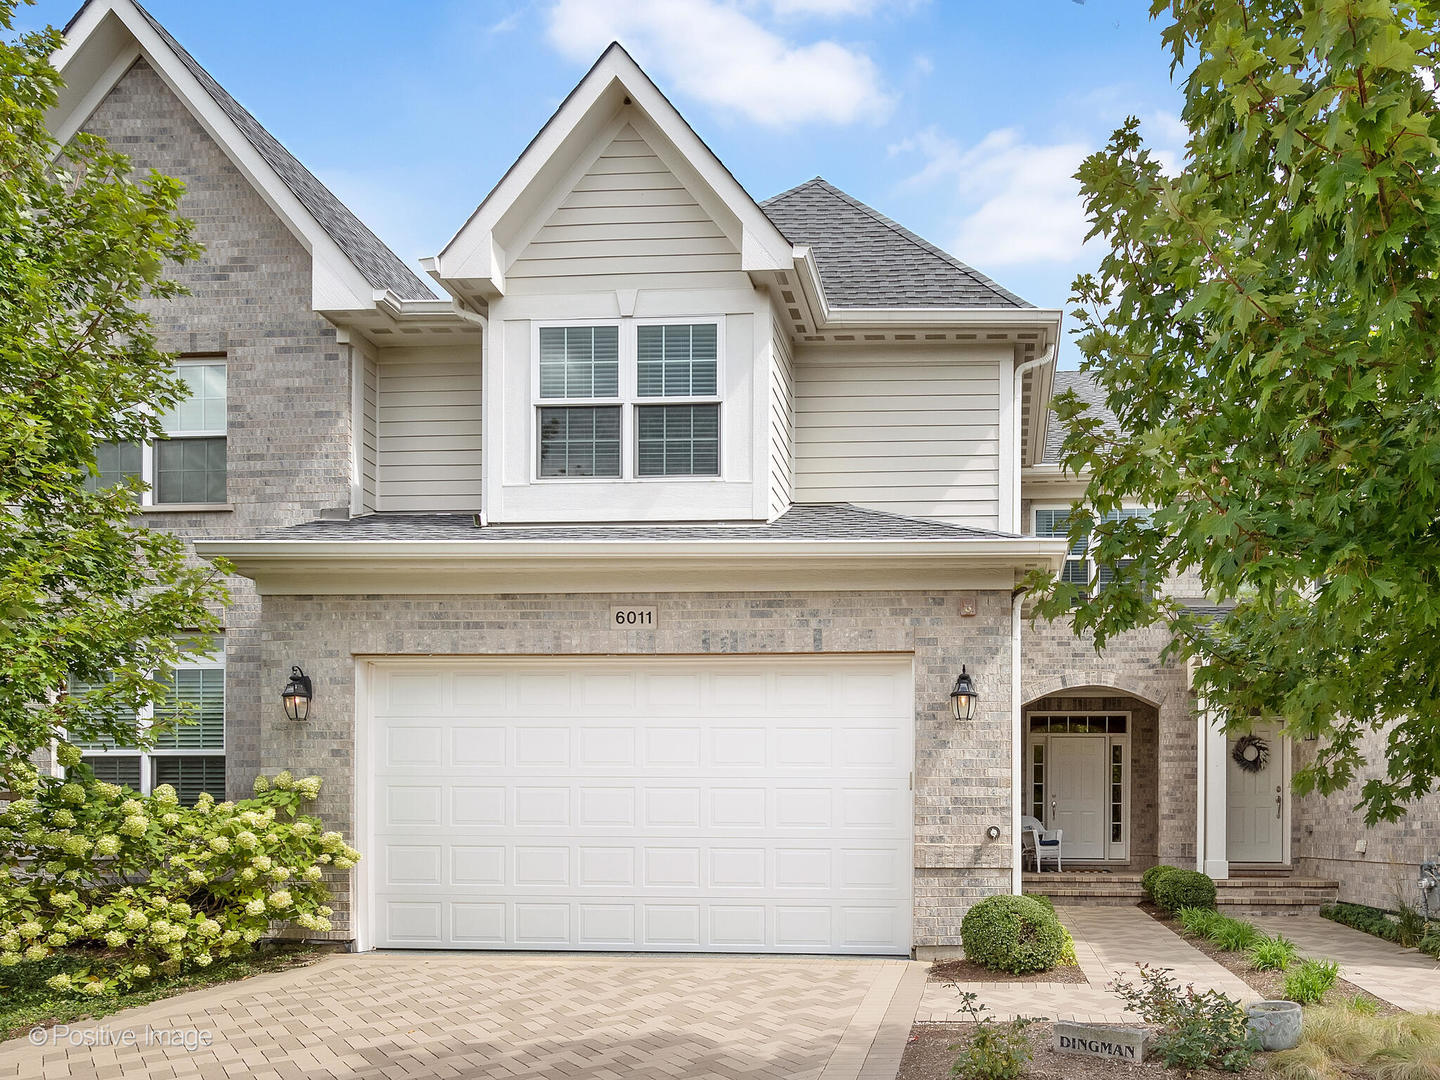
(962, 119)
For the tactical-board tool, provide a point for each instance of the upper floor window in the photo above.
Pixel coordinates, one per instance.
(651, 400)
(188, 464)
(1081, 567)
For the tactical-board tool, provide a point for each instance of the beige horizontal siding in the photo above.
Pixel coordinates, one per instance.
(629, 222)
(915, 436)
(428, 430)
(782, 422)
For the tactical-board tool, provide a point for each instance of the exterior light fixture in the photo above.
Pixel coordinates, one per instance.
(297, 695)
(963, 698)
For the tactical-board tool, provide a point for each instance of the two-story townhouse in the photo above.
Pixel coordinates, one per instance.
(634, 578)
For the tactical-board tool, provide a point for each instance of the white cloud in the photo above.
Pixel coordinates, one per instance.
(830, 9)
(1016, 201)
(715, 52)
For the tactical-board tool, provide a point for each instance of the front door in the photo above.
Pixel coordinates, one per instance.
(1077, 793)
(1255, 796)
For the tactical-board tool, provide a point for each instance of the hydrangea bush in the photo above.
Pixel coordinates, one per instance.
(153, 887)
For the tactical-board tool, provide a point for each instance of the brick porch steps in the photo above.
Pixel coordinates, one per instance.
(1259, 893)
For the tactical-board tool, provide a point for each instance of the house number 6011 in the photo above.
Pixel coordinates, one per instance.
(632, 616)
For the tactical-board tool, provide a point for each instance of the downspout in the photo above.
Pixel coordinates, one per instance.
(1017, 719)
(1017, 744)
(481, 321)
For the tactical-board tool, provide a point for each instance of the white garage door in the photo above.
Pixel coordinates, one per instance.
(678, 804)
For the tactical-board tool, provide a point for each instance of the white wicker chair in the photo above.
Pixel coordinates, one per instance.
(1042, 843)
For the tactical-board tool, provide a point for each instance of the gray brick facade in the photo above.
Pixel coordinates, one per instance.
(289, 383)
(962, 773)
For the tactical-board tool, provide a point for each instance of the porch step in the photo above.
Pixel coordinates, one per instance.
(1237, 895)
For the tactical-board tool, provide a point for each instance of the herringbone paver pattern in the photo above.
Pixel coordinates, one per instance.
(576, 1018)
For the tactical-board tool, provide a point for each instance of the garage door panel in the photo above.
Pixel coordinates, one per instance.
(746, 804)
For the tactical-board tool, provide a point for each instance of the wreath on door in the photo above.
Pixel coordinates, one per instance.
(1251, 753)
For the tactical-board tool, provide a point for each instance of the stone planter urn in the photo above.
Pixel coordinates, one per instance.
(1275, 1023)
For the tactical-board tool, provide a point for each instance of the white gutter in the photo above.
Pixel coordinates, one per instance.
(1048, 551)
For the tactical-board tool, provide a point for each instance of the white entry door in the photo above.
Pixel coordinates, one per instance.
(688, 804)
(1255, 798)
(1078, 794)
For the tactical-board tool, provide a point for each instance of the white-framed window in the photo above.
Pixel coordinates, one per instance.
(190, 757)
(1081, 568)
(628, 400)
(187, 466)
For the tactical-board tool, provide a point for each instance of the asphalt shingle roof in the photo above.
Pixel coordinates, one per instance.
(866, 260)
(380, 266)
(803, 521)
(1088, 391)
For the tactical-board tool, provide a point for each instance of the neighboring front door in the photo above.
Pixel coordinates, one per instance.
(1255, 796)
(1077, 794)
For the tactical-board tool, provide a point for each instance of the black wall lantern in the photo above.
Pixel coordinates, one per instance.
(297, 695)
(962, 698)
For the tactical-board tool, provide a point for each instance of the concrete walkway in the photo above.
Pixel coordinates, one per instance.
(451, 1015)
(1109, 941)
(1406, 978)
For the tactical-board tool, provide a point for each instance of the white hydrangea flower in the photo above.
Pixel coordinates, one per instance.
(246, 839)
(107, 790)
(36, 952)
(313, 873)
(220, 844)
(280, 873)
(109, 844)
(115, 939)
(93, 921)
(284, 781)
(255, 907)
(29, 929)
(9, 959)
(169, 820)
(344, 864)
(261, 785)
(261, 862)
(132, 806)
(302, 828)
(204, 960)
(280, 899)
(63, 818)
(134, 825)
(309, 787)
(195, 877)
(165, 794)
(58, 982)
(141, 971)
(136, 920)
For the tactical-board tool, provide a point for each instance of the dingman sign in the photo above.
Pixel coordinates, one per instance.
(1100, 1040)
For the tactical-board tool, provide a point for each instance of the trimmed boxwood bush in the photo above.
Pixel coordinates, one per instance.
(1017, 934)
(1149, 877)
(1184, 888)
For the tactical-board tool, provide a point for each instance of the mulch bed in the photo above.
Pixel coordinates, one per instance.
(929, 1055)
(967, 971)
(1269, 984)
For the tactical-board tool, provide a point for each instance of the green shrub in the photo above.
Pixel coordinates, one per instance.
(1044, 901)
(1198, 921)
(1311, 981)
(1233, 935)
(1360, 917)
(1196, 1030)
(1015, 934)
(994, 1051)
(148, 886)
(1272, 953)
(1151, 876)
(1184, 888)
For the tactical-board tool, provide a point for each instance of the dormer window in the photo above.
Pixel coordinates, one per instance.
(628, 400)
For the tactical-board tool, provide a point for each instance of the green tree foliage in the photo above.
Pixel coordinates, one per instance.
(85, 589)
(1265, 328)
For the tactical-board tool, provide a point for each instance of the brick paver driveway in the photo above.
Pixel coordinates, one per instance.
(483, 1015)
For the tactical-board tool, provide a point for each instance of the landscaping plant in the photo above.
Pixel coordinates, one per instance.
(1311, 981)
(1197, 1030)
(1198, 921)
(1272, 953)
(1360, 917)
(1017, 934)
(1233, 935)
(1176, 889)
(1151, 876)
(143, 886)
(1340, 1042)
(994, 1051)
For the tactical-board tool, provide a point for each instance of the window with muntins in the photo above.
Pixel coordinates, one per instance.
(191, 756)
(628, 401)
(1081, 568)
(189, 464)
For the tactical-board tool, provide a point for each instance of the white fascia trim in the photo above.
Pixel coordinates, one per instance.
(1001, 550)
(336, 283)
(762, 247)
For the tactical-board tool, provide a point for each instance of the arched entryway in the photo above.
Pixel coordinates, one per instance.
(1091, 770)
